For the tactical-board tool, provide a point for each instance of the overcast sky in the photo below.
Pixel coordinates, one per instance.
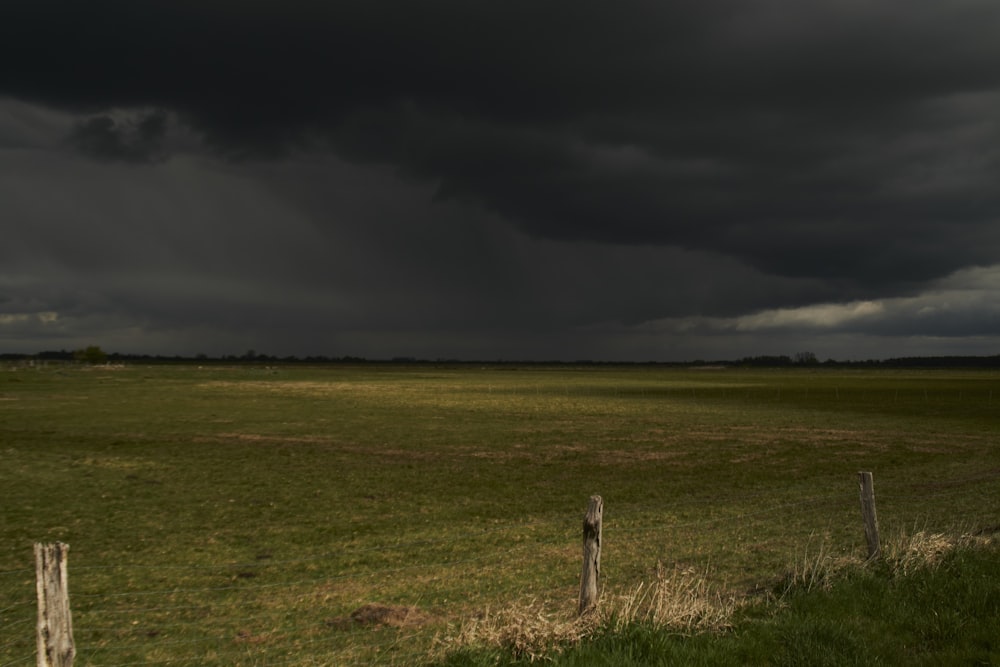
(636, 180)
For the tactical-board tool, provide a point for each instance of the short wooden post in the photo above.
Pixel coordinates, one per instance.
(868, 514)
(590, 578)
(55, 625)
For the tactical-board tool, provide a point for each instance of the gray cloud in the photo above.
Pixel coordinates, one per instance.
(136, 139)
(444, 171)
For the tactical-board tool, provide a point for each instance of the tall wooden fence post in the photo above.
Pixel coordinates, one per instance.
(55, 625)
(868, 514)
(589, 579)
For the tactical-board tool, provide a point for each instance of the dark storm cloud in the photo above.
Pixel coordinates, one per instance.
(853, 142)
(433, 173)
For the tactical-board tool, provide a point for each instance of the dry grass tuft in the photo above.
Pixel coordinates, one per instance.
(526, 630)
(678, 602)
(903, 553)
(908, 553)
(819, 568)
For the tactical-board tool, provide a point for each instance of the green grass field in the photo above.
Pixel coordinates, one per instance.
(240, 515)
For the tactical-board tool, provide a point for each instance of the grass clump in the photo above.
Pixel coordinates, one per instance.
(921, 550)
(677, 603)
(902, 554)
(934, 599)
(817, 568)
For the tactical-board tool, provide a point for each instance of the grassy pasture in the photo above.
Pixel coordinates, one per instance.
(239, 515)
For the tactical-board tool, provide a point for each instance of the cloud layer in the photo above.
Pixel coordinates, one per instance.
(505, 180)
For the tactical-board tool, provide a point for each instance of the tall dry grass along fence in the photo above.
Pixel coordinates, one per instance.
(158, 618)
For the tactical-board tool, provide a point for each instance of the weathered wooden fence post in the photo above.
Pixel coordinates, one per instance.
(55, 625)
(590, 578)
(868, 514)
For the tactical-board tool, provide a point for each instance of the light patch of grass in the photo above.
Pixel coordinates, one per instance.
(675, 602)
(525, 629)
(905, 553)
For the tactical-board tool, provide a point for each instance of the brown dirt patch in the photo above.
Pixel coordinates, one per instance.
(380, 615)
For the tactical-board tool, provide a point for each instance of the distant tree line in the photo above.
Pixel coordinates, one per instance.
(95, 355)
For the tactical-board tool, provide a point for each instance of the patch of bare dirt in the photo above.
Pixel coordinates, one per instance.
(380, 615)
